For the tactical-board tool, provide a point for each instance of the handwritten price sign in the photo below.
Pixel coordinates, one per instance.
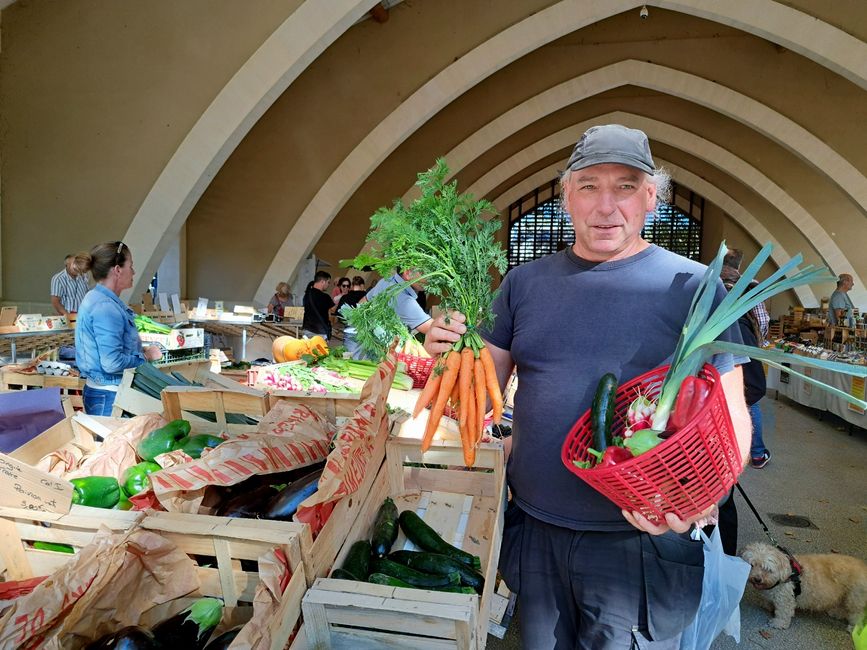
(23, 486)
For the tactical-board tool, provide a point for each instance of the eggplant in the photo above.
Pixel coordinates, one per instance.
(223, 641)
(191, 628)
(248, 505)
(132, 637)
(283, 505)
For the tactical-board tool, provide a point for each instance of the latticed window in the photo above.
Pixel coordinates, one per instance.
(539, 226)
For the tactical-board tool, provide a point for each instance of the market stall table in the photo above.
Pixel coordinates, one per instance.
(272, 329)
(803, 392)
(27, 341)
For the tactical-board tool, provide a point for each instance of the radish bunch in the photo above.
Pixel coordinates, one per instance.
(639, 415)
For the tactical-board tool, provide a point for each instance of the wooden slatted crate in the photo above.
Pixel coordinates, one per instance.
(466, 508)
(70, 387)
(218, 545)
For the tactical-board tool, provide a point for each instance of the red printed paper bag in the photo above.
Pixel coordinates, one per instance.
(348, 463)
(288, 437)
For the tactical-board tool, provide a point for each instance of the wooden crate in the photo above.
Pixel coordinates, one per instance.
(177, 401)
(216, 544)
(18, 527)
(78, 430)
(347, 614)
(70, 387)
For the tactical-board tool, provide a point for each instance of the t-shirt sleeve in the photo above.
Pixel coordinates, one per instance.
(500, 334)
(837, 301)
(409, 311)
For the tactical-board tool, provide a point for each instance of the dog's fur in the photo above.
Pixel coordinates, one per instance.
(836, 584)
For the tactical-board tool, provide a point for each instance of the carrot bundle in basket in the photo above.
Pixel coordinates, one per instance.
(463, 379)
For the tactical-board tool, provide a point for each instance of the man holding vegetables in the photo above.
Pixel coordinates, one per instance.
(589, 575)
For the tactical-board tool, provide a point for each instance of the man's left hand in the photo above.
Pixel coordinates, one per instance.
(672, 521)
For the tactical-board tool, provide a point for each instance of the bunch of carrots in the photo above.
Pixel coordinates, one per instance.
(463, 378)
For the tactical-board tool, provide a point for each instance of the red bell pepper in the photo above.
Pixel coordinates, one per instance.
(691, 399)
(612, 455)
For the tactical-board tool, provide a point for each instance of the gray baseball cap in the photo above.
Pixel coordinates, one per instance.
(612, 143)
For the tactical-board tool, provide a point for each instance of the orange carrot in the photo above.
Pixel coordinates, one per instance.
(468, 433)
(492, 384)
(453, 398)
(428, 393)
(449, 377)
(464, 378)
(481, 397)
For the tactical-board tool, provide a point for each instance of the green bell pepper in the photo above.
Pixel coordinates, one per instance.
(163, 440)
(124, 503)
(193, 446)
(641, 441)
(51, 546)
(95, 491)
(135, 478)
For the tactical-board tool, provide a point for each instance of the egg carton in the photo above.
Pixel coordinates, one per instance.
(57, 368)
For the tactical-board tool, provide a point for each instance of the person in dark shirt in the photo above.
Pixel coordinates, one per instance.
(317, 306)
(356, 293)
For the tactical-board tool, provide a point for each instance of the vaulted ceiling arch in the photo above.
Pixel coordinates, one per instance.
(376, 146)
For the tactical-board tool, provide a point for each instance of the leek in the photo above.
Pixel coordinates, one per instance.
(697, 342)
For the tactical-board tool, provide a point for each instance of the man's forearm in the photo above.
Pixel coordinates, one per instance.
(733, 387)
(58, 306)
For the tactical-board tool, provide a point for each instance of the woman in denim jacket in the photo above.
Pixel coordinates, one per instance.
(106, 340)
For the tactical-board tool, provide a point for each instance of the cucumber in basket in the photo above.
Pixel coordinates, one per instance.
(422, 535)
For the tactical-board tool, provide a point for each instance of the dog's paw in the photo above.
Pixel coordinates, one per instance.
(779, 623)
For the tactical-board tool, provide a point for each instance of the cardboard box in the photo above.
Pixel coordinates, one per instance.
(180, 339)
(40, 323)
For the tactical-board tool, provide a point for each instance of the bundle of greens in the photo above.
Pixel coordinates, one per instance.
(444, 238)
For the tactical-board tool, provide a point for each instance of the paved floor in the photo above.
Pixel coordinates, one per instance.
(817, 471)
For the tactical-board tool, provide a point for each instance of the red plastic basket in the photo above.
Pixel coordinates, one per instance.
(419, 368)
(685, 474)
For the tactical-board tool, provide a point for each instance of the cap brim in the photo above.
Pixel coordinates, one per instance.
(612, 158)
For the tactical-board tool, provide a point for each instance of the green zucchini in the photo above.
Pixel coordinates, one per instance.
(357, 561)
(412, 576)
(602, 412)
(460, 589)
(385, 528)
(420, 534)
(382, 579)
(440, 565)
(342, 574)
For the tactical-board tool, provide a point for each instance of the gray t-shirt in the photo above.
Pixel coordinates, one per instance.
(567, 322)
(405, 304)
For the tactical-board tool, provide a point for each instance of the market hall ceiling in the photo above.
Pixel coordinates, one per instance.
(760, 102)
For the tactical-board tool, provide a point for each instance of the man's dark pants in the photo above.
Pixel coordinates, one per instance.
(599, 590)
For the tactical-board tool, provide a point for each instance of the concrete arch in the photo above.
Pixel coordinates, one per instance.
(740, 214)
(531, 33)
(302, 37)
(697, 146)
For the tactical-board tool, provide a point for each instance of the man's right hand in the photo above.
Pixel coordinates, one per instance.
(444, 332)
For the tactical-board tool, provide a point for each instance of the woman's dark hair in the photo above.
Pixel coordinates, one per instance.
(358, 280)
(102, 258)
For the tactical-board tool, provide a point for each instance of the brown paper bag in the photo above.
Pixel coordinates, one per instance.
(348, 463)
(288, 437)
(274, 576)
(117, 451)
(105, 587)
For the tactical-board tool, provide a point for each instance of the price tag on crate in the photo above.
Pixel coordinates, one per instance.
(23, 486)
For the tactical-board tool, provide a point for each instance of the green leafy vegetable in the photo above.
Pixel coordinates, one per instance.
(447, 238)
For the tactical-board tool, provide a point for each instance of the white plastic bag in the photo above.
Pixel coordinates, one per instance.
(722, 588)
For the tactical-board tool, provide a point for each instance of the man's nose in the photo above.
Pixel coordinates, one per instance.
(607, 202)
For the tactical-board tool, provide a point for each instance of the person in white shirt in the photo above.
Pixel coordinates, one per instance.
(68, 287)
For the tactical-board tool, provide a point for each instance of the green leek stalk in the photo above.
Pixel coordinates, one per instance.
(697, 342)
